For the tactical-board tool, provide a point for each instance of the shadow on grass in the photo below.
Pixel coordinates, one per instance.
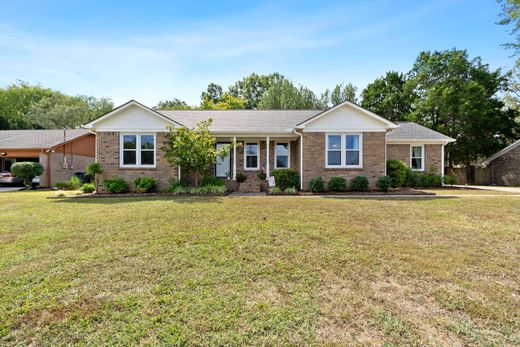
(393, 197)
(107, 200)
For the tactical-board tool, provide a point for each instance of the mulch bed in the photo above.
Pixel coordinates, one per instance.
(133, 195)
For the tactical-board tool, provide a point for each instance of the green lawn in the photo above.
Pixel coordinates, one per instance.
(259, 271)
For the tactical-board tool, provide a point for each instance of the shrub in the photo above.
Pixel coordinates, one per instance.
(73, 183)
(212, 181)
(317, 185)
(261, 175)
(338, 184)
(275, 191)
(174, 183)
(430, 179)
(412, 178)
(291, 191)
(397, 171)
(450, 180)
(115, 185)
(26, 171)
(88, 188)
(359, 184)
(144, 184)
(241, 177)
(286, 178)
(384, 183)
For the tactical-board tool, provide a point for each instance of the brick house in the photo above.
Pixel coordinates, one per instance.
(505, 165)
(61, 152)
(345, 140)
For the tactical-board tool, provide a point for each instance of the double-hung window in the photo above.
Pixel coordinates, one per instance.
(251, 156)
(344, 150)
(282, 152)
(137, 150)
(417, 157)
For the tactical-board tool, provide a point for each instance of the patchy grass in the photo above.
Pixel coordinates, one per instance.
(259, 271)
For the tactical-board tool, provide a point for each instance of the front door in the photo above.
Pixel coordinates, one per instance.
(223, 167)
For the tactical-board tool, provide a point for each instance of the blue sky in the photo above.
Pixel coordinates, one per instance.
(156, 50)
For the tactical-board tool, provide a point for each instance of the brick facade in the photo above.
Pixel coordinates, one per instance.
(108, 156)
(57, 172)
(507, 164)
(433, 155)
(314, 159)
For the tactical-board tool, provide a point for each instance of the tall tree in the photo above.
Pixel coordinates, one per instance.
(386, 97)
(342, 93)
(226, 102)
(174, 104)
(253, 87)
(283, 95)
(459, 97)
(213, 93)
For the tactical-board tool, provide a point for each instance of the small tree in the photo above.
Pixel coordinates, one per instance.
(94, 170)
(26, 171)
(193, 149)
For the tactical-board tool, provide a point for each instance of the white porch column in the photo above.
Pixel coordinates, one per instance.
(267, 164)
(301, 161)
(442, 162)
(234, 157)
(179, 173)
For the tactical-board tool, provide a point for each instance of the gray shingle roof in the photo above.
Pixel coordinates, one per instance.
(260, 121)
(414, 131)
(36, 139)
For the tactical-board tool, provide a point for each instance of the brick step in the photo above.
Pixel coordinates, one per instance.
(250, 187)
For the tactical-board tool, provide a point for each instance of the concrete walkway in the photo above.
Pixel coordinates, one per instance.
(496, 188)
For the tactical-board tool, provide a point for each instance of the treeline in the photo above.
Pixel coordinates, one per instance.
(25, 106)
(445, 90)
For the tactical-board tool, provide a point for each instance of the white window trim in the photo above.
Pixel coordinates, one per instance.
(423, 156)
(138, 151)
(257, 156)
(288, 155)
(343, 150)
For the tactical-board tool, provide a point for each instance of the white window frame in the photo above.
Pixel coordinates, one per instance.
(343, 150)
(423, 156)
(257, 156)
(288, 155)
(138, 151)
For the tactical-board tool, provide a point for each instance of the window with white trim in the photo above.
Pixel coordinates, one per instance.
(137, 150)
(282, 155)
(251, 156)
(344, 150)
(417, 158)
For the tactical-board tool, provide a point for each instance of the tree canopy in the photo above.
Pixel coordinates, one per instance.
(252, 88)
(25, 106)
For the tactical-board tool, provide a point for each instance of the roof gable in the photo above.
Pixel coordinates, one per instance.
(501, 153)
(346, 116)
(132, 116)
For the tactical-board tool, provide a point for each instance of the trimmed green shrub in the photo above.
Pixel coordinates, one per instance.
(261, 175)
(275, 191)
(397, 171)
(115, 185)
(73, 183)
(174, 183)
(286, 178)
(88, 188)
(338, 184)
(450, 180)
(359, 184)
(241, 177)
(317, 185)
(384, 183)
(412, 178)
(144, 184)
(291, 191)
(213, 181)
(27, 171)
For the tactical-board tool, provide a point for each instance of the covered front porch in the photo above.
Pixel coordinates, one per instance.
(251, 156)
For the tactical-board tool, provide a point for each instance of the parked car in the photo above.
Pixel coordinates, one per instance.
(7, 179)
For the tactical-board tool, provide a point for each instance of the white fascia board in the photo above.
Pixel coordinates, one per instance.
(418, 141)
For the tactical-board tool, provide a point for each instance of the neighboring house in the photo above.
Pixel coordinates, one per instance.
(505, 165)
(61, 152)
(345, 140)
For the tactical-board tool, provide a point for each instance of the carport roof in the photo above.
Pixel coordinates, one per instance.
(37, 139)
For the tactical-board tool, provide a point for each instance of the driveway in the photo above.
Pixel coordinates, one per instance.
(497, 188)
(9, 189)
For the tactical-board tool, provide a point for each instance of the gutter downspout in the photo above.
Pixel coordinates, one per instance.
(301, 157)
